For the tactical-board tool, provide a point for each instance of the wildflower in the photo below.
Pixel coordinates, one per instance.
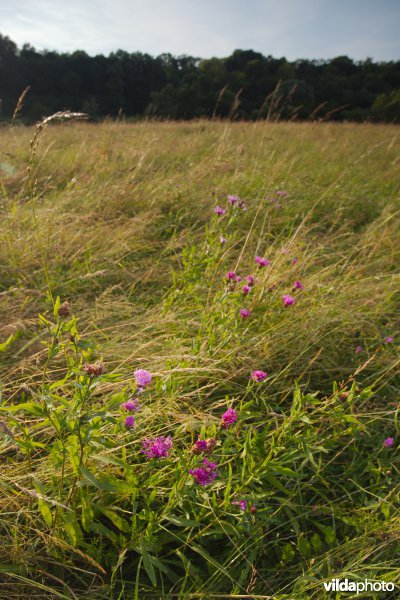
(130, 422)
(199, 446)
(262, 262)
(94, 369)
(222, 239)
(288, 300)
(245, 312)
(132, 405)
(206, 474)
(389, 339)
(157, 447)
(233, 200)
(250, 280)
(358, 349)
(219, 210)
(64, 310)
(298, 285)
(243, 205)
(281, 193)
(238, 279)
(253, 509)
(229, 418)
(388, 443)
(241, 503)
(246, 289)
(230, 275)
(295, 261)
(211, 443)
(258, 376)
(142, 377)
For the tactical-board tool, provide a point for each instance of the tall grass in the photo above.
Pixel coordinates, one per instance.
(118, 220)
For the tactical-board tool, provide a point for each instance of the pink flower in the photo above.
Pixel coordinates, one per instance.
(298, 285)
(245, 312)
(358, 349)
(238, 279)
(281, 193)
(230, 275)
(206, 474)
(222, 240)
(246, 289)
(250, 280)
(132, 405)
(242, 205)
(157, 447)
(233, 200)
(388, 443)
(389, 339)
(295, 261)
(288, 300)
(142, 377)
(258, 376)
(262, 262)
(219, 210)
(130, 422)
(229, 418)
(241, 503)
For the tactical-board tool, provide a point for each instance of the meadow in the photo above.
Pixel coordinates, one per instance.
(199, 346)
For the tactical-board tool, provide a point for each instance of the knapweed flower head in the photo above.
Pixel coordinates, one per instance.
(199, 446)
(358, 349)
(246, 289)
(219, 210)
(157, 447)
(206, 474)
(389, 339)
(258, 376)
(388, 443)
(64, 310)
(245, 312)
(243, 205)
(142, 377)
(238, 279)
(288, 300)
(281, 193)
(233, 200)
(131, 405)
(242, 504)
(222, 239)
(229, 418)
(230, 275)
(262, 262)
(130, 422)
(94, 369)
(295, 261)
(251, 280)
(298, 285)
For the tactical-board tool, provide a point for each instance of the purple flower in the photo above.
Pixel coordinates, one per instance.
(219, 210)
(262, 262)
(245, 312)
(230, 275)
(250, 280)
(246, 289)
(234, 200)
(281, 193)
(288, 300)
(241, 503)
(358, 349)
(389, 339)
(258, 376)
(238, 279)
(243, 205)
(388, 443)
(298, 285)
(222, 239)
(130, 422)
(157, 447)
(206, 474)
(132, 405)
(201, 445)
(142, 377)
(229, 418)
(295, 261)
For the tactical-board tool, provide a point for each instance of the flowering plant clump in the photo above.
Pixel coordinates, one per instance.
(142, 377)
(206, 474)
(229, 418)
(258, 376)
(157, 447)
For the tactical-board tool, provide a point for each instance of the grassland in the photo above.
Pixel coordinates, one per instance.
(118, 219)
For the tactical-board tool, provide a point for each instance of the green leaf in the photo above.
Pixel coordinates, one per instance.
(148, 565)
(57, 305)
(107, 483)
(72, 528)
(4, 345)
(181, 522)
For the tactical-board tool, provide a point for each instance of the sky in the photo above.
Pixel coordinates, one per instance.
(314, 29)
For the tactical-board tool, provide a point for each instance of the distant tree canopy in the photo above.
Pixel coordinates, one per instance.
(245, 85)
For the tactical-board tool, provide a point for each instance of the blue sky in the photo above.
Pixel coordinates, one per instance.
(205, 28)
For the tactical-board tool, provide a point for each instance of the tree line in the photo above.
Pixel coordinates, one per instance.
(246, 85)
